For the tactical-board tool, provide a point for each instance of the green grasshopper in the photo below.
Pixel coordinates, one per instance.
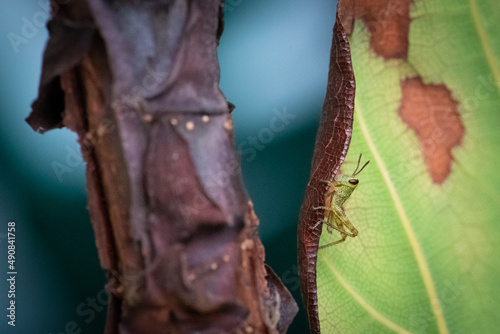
(342, 188)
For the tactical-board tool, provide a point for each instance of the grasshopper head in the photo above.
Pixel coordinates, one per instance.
(345, 185)
(352, 181)
(347, 181)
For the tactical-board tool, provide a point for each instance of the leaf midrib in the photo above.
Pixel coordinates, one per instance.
(417, 250)
(370, 309)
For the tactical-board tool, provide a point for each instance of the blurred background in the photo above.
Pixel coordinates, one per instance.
(274, 61)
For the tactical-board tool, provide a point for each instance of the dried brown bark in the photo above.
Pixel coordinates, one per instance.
(138, 82)
(332, 142)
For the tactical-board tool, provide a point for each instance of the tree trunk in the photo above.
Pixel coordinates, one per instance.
(175, 231)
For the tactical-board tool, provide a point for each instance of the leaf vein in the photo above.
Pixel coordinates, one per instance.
(490, 57)
(405, 221)
(372, 311)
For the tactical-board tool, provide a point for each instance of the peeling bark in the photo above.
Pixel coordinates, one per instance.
(138, 82)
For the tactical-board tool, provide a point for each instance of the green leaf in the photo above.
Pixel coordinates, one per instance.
(427, 207)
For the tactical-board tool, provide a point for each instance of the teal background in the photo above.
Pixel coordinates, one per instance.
(272, 55)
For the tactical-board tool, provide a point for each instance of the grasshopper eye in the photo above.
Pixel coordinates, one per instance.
(353, 181)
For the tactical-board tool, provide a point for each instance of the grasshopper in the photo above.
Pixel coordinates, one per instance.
(342, 188)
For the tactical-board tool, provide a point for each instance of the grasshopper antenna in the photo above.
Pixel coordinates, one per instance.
(359, 160)
(356, 172)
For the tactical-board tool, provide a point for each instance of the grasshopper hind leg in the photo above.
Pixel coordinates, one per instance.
(339, 222)
(336, 220)
(344, 236)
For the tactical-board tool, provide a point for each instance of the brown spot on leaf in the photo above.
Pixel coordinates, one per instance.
(431, 112)
(387, 21)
